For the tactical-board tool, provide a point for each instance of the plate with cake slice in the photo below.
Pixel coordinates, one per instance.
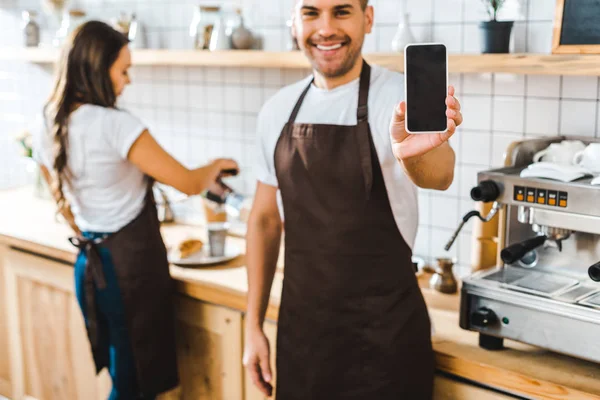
(193, 251)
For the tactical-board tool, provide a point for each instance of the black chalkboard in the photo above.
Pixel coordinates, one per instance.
(580, 22)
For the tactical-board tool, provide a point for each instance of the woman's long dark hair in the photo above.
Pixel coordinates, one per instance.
(82, 78)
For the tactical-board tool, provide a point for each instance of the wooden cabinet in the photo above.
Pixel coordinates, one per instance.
(49, 352)
(209, 343)
(5, 385)
(252, 393)
(446, 388)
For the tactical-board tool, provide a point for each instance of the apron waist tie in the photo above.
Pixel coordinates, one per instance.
(94, 275)
(93, 262)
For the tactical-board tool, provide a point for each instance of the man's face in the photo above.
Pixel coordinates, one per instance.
(331, 33)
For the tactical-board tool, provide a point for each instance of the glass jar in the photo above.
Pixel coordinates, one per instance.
(69, 23)
(31, 29)
(202, 25)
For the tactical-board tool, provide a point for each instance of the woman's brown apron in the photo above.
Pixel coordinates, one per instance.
(352, 323)
(140, 259)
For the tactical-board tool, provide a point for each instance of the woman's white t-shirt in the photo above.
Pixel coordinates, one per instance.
(106, 191)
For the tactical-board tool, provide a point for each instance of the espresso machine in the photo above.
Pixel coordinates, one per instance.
(545, 287)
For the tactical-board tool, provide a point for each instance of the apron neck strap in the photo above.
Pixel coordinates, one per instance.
(362, 113)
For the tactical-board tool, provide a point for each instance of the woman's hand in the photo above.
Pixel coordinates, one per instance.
(256, 360)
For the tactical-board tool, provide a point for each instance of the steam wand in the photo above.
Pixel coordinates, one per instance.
(467, 217)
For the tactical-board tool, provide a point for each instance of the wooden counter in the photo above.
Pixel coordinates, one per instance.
(28, 224)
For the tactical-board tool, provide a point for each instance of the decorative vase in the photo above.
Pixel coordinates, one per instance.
(495, 36)
(403, 35)
(241, 37)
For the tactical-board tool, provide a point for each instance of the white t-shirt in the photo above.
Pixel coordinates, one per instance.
(107, 190)
(338, 107)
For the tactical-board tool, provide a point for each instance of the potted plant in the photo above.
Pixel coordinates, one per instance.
(40, 188)
(495, 35)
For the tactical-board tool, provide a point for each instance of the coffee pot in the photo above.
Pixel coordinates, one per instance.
(223, 194)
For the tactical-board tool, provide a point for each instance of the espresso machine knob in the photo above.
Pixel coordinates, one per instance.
(594, 272)
(483, 317)
(486, 191)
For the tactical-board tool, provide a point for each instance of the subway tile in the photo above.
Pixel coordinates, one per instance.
(513, 10)
(439, 238)
(233, 76)
(448, 11)
(197, 96)
(541, 10)
(179, 74)
(252, 76)
(273, 39)
(543, 86)
(215, 124)
(508, 114)
(450, 35)
(422, 33)
(162, 94)
(234, 100)
(214, 98)
(500, 142)
(475, 11)
(519, 39)
(475, 147)
(509, 84)
(579, 87)
(578, 117)
(424, 203)
(179, 95)
(180, 123)
(471, 39)
(539, 37)
(420, 11)
(542, 116)
(388, 12)
(214, 75)
(195, 74)
(273, 77)
(476, 111)
(234, 126)
(198, 123)
(371, 44)
(477, 84)
(422, 246)
(385, 36)
(444, 211)
(464, 244)
(252, 99)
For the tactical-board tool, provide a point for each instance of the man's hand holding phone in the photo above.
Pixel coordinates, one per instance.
(406, 145)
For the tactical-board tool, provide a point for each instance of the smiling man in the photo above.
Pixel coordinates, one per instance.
(333, 149)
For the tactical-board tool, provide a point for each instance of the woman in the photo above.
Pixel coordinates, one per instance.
(101, 163)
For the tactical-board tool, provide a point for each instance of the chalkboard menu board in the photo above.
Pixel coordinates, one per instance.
(577, 27)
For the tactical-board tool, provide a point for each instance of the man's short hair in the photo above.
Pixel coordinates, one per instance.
(364, 4)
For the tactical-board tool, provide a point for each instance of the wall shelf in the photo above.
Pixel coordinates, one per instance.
(540, 64)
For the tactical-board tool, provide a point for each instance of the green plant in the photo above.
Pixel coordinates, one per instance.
(24, 139)
(492, 7)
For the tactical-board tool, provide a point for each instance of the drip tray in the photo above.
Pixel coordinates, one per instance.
(542, 284)
(506, 275)
(592, 301)
(577, 293)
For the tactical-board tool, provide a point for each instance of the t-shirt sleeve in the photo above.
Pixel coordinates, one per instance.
(122, 130)
(40, 143)
(264, 160)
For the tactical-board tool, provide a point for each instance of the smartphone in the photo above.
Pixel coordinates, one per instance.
(425, 87)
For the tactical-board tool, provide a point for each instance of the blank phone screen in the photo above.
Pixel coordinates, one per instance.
(426, 88)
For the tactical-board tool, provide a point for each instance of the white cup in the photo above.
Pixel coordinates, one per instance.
(589, 158)
(560, 153)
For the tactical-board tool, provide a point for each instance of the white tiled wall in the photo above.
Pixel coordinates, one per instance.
(201, 113)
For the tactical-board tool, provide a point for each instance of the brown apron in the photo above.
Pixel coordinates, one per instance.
(142, 269)
(352, 322)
